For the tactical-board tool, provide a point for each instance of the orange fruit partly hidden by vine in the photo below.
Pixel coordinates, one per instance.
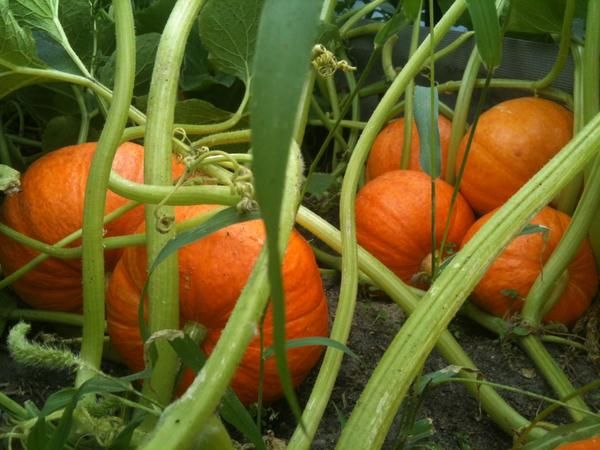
(512, 141)
(393, 221)
(592, 443)
(386, 151)
(212, 273)
(48, 208)
(508, 280)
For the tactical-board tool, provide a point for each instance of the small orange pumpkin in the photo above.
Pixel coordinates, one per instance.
(512, 141)
(592, 443)
(50, 207)
(393, 221)
(212, 274)
(511, 275)
(386, 151)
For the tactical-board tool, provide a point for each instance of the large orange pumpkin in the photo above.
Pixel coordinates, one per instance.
(49, 207)
(212, 273)
(511, 275)
(592, 443)
(512, 141)
(393, 221)
(386, 151)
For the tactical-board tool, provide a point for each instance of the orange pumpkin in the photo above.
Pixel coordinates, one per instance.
(512, 141)
(386, 151)
(212, 274)
(393, 221)
(592, 443)
(511, 275)
(50, 207)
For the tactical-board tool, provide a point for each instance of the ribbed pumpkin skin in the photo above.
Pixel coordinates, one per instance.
(518, 266)
(586, 444)
(386, 151)
(50, 207)
(393, 219)
(212, 273)
(512, 142)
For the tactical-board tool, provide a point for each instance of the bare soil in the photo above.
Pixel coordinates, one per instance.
(457, 418)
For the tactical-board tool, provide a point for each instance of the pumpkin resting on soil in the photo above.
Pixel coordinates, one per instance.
(393, 221)
(592, 443)
(513, 140)
(511, 275)
(212, 273)
(48, 208)
(386, 151)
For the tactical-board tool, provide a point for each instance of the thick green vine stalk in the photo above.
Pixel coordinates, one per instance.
(163, 295)
(180, 422)
(405, 356)
(95, 194)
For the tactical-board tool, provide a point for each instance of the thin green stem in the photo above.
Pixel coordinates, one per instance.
(563, 49)
(8, 404)
(95, 194)
(358, 15)
(224, 138)
(387, 62)
(36, 315)
(4, 148)
(84, 126)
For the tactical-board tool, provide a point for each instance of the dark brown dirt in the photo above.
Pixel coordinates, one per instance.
(457, 419)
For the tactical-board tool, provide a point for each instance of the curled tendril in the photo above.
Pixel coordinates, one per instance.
(326, 64)
(164, 222)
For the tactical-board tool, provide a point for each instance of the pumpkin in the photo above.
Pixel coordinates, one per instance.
(212, 274)
(393, 221)
(512, 141)
(592, 443)
(511, 275)
(50, 207)
(386, 152)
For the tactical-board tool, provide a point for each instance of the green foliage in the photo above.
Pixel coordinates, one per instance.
(487, 31)
(228, 30)
(430, 156)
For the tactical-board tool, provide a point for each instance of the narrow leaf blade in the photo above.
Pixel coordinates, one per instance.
(487, 31)
(429, 157)
(287, 32)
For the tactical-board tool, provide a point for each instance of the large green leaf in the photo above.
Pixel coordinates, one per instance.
(228, 30)
(536, 16)
(145, 53)
(287, 32)
(39, 14)
(17, 49)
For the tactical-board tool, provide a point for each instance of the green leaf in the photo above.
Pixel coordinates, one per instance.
(10, 179)
(488, 35)
(232, 409)
(221, 219)
(39, 14)
(198, 73)
(536, 16)
(319, 183)
(60, 131)
(152, 18)
(429, 157)
(286, 36)
(437, 377)
(199, 111)
(53, 54)
(228, 30)
(145, 52)
(315, 340)
(412, 9)
(38, 435)
(583, 429)
(531, 228)
(391, 27)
